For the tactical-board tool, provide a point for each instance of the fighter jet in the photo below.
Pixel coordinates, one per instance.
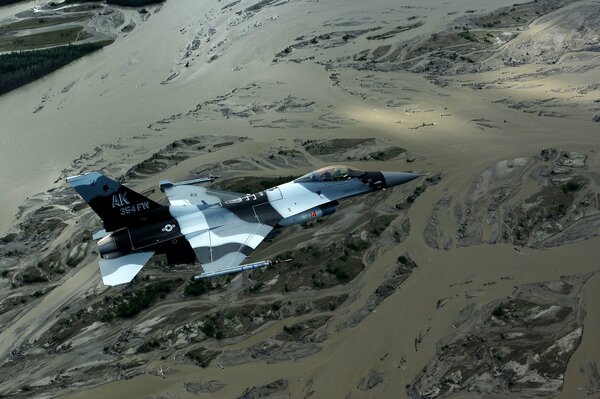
(218, 229)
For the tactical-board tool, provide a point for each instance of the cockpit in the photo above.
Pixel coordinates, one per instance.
(330, 173)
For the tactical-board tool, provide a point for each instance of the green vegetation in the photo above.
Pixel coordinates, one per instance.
(8, 2)
(130, 303)
(149, 167)
(73, 261)
(123, 3)
(40, 40)
(149, 345)
(403, 259)
(341, 269)
(46, 226)
(420, 189)
(338, 271)
(290, 153)
(8, 238)
(557, 210)
(332, 146)
(312, 223)
(18, 69)
(406, 264)
(553, 202)
(158, 162)
(467, 35)
(12, 302)
(256, 287)
(224, 144)
(324, 266)
(380, 223)
(202, 356)
(387, 153)
(143, 299)
(302, 331)
(293, 329)
(239, 320)
(134, 3)
(197, 288)
(571, 186)
(200, 287)
(357, 245)
(33, 275)
(519, 309)
(52, 263)
(31, 23)
(498, 311)
(212, 326)
(330, 302)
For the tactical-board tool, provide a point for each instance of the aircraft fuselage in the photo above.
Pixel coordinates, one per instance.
(219, 234)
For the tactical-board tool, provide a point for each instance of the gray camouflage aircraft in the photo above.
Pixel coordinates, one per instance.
(217, 228)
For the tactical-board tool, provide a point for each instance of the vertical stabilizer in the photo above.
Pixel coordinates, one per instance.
(117, 205)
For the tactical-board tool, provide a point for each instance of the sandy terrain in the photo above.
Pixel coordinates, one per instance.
(501, 100)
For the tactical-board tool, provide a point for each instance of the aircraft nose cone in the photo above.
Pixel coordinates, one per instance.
(396, 178)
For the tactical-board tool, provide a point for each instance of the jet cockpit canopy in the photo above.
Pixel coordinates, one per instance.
(330, 173)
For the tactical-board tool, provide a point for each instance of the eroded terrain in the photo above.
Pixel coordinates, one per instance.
(303, 292)
(286, 312)
(477, 279)
(520, 343)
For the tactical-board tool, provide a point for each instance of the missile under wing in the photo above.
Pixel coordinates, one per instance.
(217, 228)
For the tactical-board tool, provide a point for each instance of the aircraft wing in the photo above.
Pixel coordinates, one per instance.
(183, 194)
(224, 248)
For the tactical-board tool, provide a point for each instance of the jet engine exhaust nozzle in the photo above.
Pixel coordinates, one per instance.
(114, 244)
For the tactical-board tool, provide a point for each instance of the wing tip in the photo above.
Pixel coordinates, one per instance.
(163, 184)
(83, 179)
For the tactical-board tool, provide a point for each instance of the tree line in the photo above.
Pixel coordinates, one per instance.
(19, 68)
(124, 3)
(7, 2)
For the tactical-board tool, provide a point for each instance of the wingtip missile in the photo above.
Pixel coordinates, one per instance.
(216, 228)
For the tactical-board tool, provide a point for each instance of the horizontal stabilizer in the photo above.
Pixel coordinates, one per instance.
(99, 234)
(123, 269)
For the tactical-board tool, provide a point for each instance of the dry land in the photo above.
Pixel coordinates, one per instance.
(480, 279)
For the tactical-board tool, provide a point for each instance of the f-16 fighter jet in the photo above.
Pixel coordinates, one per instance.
(217, 228)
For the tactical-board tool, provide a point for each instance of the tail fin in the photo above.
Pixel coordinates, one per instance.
(117, 205)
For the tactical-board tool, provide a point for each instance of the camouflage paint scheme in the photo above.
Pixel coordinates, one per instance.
(217, 228)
